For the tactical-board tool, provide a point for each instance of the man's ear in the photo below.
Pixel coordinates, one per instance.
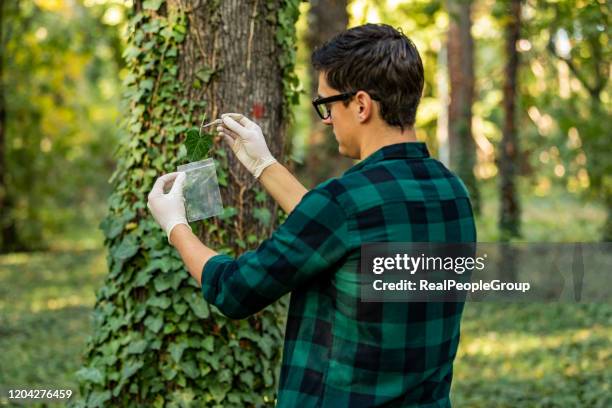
(365, 106)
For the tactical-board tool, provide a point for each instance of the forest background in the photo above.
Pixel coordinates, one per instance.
(543, 176)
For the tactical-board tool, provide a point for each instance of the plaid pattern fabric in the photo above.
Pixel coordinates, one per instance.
(339, 351)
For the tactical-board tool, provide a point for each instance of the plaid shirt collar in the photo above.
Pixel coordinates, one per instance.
(409, 150)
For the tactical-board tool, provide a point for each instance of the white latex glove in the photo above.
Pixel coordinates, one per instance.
(247, 142)
(168, 209)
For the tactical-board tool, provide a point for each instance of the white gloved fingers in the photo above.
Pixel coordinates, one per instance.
(231, 124)
(230, 142)
(179, 181)
(248, 123)
(160, 183)
(228, 136)
(228, 132)
(235, 116)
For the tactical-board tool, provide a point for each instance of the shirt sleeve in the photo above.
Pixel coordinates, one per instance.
(308, 244)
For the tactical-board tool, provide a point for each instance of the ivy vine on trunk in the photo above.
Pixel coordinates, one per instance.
(155, 340)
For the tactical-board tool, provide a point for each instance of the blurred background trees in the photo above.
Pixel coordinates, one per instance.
(61, 62)
(62, 72)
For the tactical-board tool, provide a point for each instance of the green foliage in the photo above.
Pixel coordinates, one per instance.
(552, 355)
(61, 63)
(286, 17)
(197, 145)
(156, 342)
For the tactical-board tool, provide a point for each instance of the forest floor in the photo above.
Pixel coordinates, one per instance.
(510, 355)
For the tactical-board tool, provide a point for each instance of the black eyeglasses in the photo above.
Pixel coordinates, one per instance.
(322, 105)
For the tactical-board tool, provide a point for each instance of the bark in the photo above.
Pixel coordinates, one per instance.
(238, 44)
(509, 212)
(461, 78)
(326, 18)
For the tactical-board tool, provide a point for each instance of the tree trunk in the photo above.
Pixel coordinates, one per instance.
(9, 239)
(509, 210)
(326, 18)
(461, 73)
(156, 341)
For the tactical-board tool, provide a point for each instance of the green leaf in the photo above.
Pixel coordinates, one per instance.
(137, 347)
(199, 306)
(209, 344)
(176, 350)
(248, 378)
(191, 369)
(219, 391)
(152, 4)
(197, 146)
(266, 343)
(130, 369)
(228, 212)
(179, 308)
(90, 374)
(142, 278)
(154, 323)
(98, 398)
(159, 301)
(205, 74)
(262, 215)
(111, 227)
(127, 249)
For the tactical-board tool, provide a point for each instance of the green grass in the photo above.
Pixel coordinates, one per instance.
(556, 217)
(511, 355)
(46, 301)
(535, 355)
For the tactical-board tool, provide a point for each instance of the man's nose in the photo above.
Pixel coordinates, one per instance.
(327, 121)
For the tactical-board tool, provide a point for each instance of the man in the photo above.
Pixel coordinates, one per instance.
(340, 351)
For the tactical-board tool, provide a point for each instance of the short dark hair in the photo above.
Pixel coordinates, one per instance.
(380, 60)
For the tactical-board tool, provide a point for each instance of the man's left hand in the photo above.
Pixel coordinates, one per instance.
(168, 209)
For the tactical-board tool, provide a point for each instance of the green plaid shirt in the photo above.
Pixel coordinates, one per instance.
(339, 351)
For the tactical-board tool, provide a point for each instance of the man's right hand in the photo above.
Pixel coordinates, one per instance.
(247, 142)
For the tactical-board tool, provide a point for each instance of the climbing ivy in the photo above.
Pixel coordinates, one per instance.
(155, 341)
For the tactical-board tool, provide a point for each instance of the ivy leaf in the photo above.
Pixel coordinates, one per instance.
(205, 74)
(262, 215)
(142, 278)
(209, 344)
(219, 391)
(98, 398)
(179, 308)
(130, 369)
(154, 323)
(159, 301)
(90, 374)
(176, 350)
(137, 347)
(248, 378)
(199, 306)
(190, 369)
(127, 248)
(111, 227)
(152, 4)
(197, 146)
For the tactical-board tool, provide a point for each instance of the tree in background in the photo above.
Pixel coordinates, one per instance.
(461, 73)
(155, 340)
(59, 89)
(9, 240)
(509, 209)
(579, 38)
(326, 18)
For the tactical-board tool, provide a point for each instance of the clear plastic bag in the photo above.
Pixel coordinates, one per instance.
(201, 190)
